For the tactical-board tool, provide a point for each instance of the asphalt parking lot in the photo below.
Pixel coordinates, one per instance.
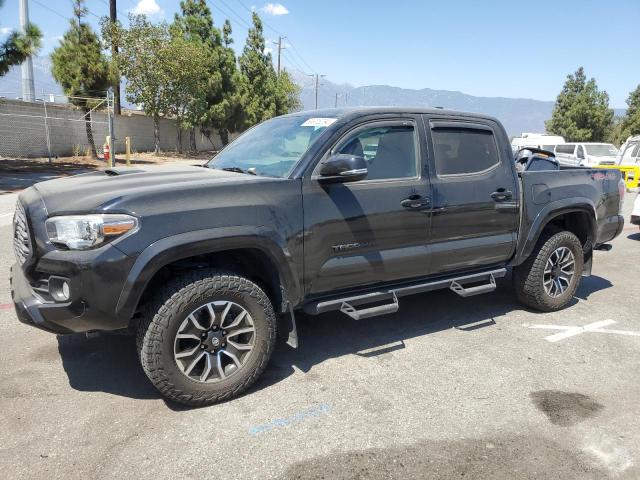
(445, 388)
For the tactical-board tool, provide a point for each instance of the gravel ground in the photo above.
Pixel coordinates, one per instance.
(446, 388)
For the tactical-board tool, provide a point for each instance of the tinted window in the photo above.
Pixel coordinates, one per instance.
(463, 150)
(580, 152)
(565, 148)
(390, 152)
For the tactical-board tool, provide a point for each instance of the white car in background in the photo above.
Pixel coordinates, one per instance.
(586, 154)
(629, 152)
(536, 140)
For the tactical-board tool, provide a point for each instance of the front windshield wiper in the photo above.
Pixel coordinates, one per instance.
(238, 170)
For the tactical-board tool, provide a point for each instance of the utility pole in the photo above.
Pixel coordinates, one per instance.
(336, 104)
(28, 88)
(317, 85)
(112, 133)
(113, 15)
(280, 48)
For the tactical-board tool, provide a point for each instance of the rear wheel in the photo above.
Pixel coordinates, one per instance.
(549, 278)
(207, 337)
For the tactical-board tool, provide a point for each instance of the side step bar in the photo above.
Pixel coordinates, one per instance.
(348, 305)
(356, 314)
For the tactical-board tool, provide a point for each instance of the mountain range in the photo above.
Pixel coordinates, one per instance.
(517, 114)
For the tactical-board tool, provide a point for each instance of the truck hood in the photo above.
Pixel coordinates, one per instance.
(116, 188)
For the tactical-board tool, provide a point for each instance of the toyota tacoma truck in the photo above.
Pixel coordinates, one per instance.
(343, 210)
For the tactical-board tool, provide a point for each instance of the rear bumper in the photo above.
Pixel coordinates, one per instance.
(609, 229)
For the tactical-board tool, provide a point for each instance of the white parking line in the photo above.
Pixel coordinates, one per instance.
(569, 331)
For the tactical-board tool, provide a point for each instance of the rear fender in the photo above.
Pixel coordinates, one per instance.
(547, 214)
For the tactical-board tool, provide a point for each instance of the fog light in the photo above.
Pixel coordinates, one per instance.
(59, 289)
(65, 291)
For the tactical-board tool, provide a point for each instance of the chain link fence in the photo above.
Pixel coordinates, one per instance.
(50, 128)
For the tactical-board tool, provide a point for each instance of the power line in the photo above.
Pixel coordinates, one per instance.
(279, 34)
(50, 9)
(234, 14)
(295, 50)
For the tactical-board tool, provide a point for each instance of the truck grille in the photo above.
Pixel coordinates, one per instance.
(21, 239)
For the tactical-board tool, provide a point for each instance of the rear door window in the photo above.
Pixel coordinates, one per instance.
(464, 150)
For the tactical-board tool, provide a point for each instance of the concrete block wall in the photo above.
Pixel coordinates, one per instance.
(23, 131)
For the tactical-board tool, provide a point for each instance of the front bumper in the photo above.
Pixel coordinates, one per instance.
(95, 281)
(30, 310)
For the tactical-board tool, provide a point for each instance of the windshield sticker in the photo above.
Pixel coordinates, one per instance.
(318, 122)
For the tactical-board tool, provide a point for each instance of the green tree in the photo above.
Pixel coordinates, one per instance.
(223, 110)
(630, 122)
(187, 85)
(582, 112)
(163, 70)
(263, 94)
(287, 94)
(139, 61)
(18, 47)
(259, 102)
(195, 23)
(81, 68)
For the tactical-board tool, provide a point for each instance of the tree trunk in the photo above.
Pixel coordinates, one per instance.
(179, 140)
(156, 133)
(87, 126)
(192, 140)
(224, 136)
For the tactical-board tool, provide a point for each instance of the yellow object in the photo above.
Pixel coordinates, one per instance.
(630, 174)
(127, 149)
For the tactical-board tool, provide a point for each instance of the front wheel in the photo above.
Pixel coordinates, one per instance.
(549, 278)
(207, 337)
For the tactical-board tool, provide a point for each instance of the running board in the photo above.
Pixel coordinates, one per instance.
(390, 295)
(356, 314)
(477, 290)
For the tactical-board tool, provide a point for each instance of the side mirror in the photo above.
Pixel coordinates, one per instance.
(343, 168)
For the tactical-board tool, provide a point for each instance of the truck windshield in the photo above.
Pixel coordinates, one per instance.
(272, 148)
(602, 150)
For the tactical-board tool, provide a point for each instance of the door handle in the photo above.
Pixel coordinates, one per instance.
(415, 201)
(501, 195)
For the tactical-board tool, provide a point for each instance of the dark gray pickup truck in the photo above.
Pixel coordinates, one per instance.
(346, 210)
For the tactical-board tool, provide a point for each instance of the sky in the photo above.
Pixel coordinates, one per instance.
(491, 48)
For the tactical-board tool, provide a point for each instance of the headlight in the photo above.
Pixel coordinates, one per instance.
(81, 232)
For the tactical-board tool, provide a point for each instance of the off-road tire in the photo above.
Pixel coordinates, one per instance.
(168, 309)
(528, 277)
